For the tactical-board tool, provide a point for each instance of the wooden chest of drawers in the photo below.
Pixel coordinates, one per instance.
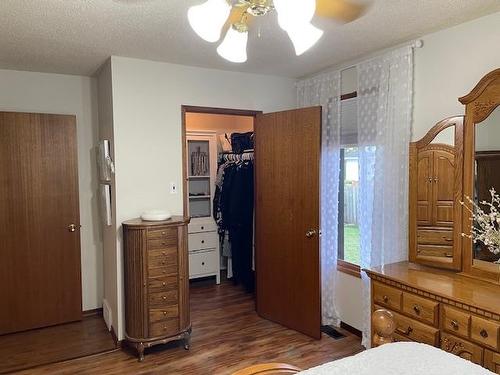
(441, 308)
(156, 283)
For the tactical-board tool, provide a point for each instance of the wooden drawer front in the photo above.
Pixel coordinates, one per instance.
(156, 257)
(416, 331)
(169, 235)
(387, 296)
(435, 237)
(166, 313)
(168, 327)
(492, 361)
(205, 240)
(455, 321)
(421, 308)
(435, 251)
(159, 243)
(196, 227)
(484, 332)
(462, 348)
(161, 299)
(203, 262)
(163, 284)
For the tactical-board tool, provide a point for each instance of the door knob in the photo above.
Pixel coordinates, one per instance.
(72, 227)
(311, 233)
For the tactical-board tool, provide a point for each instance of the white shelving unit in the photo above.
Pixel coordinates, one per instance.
(203, 239)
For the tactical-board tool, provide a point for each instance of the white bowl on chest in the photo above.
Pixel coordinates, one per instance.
(156, 215)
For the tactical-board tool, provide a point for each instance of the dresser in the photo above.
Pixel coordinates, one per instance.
(156, 283)
(441, 308)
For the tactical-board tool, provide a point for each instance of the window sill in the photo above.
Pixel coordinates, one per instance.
(349, 268)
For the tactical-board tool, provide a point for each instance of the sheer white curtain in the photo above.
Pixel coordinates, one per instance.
(324, 90)
(385, 89)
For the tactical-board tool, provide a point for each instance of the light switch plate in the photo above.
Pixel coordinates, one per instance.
(173, 188)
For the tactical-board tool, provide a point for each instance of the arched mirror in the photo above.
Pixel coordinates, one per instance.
(435, 186)
(481, 252)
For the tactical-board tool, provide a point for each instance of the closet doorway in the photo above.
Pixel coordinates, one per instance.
(252, 188)
(218, 193)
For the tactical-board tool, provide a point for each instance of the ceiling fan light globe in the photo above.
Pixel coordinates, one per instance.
(293, 12)
(304, 37)
(207, 19)
(234, 46)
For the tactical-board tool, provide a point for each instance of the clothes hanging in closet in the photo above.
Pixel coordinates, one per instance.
(233, 212)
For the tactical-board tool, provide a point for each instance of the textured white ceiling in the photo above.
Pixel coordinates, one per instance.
(76, 36)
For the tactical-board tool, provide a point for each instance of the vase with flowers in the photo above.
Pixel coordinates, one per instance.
(485, 222)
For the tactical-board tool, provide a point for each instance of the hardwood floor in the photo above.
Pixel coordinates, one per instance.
(227, 336)
(54, 344)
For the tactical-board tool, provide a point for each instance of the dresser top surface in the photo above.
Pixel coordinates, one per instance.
(173, 221)
(444, 283)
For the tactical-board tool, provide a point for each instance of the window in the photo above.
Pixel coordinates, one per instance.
(348, 206)
(348, 230)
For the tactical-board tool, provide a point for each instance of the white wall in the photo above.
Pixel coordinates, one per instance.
(449, 65)
(147, 99)
(64, 94)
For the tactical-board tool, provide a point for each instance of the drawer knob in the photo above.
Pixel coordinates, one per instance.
(202, 228)
(202, 263)
(416, 308)
(164, 298)
(385, 299)
(454, 324)
(483, 333)
(164, 283)
(165, 313)
(163, 243)
(403, 332)
(202, 241)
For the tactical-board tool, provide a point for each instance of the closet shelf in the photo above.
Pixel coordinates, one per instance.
(197, 177)
(199, 196)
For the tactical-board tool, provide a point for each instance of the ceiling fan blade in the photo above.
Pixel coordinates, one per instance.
(341, 10)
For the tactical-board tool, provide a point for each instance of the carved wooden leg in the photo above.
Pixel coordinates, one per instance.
(140, 351)
(187, 339)
(383, 327)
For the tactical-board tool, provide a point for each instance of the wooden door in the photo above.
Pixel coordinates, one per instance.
(40, 257)
(287, 191)
(424, 188)
(444, 187)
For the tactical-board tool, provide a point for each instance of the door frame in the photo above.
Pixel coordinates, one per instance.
(207, 110)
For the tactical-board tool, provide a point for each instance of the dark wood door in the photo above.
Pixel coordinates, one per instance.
(287, 191)
(40, 255)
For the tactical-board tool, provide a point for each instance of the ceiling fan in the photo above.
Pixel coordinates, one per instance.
(209, 19)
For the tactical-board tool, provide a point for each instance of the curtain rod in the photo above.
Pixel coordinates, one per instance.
(417, 43)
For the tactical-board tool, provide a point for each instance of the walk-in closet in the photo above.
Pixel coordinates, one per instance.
(219, 197)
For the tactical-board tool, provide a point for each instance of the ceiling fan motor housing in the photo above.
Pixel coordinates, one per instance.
(257, 8)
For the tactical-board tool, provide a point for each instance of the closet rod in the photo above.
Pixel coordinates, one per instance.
(236, 153)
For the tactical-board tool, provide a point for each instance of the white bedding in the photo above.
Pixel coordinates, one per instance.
(403, 358)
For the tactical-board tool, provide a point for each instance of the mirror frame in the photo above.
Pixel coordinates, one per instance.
(455, 262)
(479, 104)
